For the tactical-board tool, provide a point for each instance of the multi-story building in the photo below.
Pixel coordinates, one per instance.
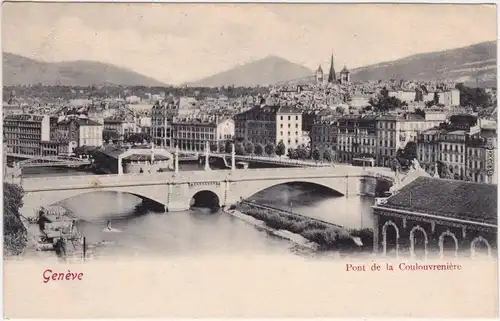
(468, 152)
(162, 115)
(193, 134)
(396, 131)
(27, 134)
(357, 138)
(323, 135)
(69, 132)
(449, 97)
(122, 126)
(144, 124)
(270, 124)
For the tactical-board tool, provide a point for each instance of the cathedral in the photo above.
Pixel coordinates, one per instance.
(344, 75)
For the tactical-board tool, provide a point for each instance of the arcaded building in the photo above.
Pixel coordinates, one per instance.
(433, 218)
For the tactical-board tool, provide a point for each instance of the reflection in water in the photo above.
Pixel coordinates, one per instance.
(199, 231)
(324, 204)
(145, 230)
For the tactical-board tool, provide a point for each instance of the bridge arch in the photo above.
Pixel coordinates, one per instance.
(35, 200)
(205, 198)
(247, 189)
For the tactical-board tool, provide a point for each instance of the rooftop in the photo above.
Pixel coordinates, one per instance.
(448, 198)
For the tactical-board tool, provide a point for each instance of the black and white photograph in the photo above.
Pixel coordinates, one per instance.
(325, 133)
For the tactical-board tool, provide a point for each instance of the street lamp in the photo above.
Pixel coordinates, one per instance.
(291, 207)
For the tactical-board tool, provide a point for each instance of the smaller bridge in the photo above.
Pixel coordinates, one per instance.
(54, 161)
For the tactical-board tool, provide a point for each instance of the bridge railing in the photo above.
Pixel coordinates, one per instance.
(83, 181)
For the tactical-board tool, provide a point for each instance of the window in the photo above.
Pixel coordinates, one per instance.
(296, 117)
(281, 117)
(289, 118)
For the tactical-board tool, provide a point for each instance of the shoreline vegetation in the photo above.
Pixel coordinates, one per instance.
(15, 234)
(314, 234)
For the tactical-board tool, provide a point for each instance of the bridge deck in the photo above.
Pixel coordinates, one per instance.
(101, 181)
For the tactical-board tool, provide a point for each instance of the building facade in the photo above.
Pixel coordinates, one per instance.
(467, 151)
(193, 134)
(162, 116)
(433, 218)
(270, 124)
(27, 134)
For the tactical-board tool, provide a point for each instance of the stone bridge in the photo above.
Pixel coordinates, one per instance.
(175, 190)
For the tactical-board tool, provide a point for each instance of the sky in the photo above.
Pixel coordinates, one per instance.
(175, 43)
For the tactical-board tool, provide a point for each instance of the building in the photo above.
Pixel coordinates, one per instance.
(319, 75)
(122, 126)
(345, 77)
(162, 115)
(357, 138)
(467, 151)
(270, 124)
(436, 218)
(323, 135)
(29, 135)
(69, 132)
(144, 124)
(192, 134)
(396, 131)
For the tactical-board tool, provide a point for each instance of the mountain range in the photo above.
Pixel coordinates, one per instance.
(472, 64)
(461, 64)
(19, 70)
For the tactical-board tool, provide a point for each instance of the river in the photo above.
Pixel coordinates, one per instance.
(145, 233)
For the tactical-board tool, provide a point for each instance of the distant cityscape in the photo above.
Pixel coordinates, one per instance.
(445, 125)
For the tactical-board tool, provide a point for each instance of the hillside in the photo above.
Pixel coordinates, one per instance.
(461, 64)
(269, 70)
(19, 70)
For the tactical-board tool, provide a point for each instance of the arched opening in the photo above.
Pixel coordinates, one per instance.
(293, 195)
(418, 242)
(448, 244)
(390, 237)
(110, 205)
(205, 199)
(480, 247)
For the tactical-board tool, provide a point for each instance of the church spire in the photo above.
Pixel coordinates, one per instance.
(331, 76)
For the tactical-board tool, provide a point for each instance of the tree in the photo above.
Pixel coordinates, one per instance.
(221, 146)
(302, 152)
(444, 171)
(420, 112)
(315, 154)
(14, 232)
(228, 147)
(138, 138)
(395, 165)
(410, 151)
(249, 147)
(239, 149)
(108, 135)
(213, 146)
(280, 149)
(382, 102)
(270, 149)
(259, 149)
(292, 153)
(328, 155)
(473, 97)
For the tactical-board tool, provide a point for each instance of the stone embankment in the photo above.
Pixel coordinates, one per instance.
(295, 238)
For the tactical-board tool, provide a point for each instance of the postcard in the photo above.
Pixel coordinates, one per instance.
(249, 160)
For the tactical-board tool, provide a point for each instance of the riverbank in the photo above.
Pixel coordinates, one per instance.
(325, 236)
(292, 237)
